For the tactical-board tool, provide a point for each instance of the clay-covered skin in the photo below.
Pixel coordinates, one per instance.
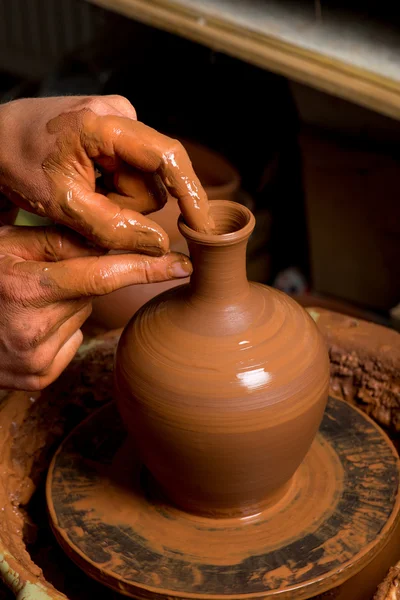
(222, 383)
(52, 152)
(47, 167)
(220, 180)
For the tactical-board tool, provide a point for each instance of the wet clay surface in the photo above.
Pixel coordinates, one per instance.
(222, 383)
(340, 507)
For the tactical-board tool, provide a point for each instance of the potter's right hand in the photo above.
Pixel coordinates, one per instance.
(51, 149)
(48, 277)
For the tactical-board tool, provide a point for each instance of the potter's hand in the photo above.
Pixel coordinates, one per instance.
(48, 152)
(47, 278)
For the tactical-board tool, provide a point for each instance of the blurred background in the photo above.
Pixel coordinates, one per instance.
(321, 173)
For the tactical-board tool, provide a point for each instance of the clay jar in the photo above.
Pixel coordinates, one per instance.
(221, 382)
(220, 180)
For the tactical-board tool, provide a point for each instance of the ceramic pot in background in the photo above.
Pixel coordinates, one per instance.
(220, 180)
(222, 383)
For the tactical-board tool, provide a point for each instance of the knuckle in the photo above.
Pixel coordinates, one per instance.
(118, 98)
(145, 272)
(96, 104)
(176, 147)
(99, 280)
(30, 384)
(104, 105)
(27, 342)
(35, 362)
(36, 383)
(122, 103)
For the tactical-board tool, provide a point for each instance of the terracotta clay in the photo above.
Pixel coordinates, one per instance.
(222, 383)
(365, 364)
(389, 589)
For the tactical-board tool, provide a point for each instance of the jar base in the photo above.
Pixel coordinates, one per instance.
(340, 509)
(157, 495)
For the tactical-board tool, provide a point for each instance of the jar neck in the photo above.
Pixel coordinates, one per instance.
(219, 272)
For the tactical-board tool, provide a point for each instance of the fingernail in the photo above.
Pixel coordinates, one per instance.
(181, 268)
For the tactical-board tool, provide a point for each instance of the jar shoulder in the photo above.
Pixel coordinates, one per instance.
(268, 338)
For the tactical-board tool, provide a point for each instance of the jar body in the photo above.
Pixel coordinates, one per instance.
(223, 398)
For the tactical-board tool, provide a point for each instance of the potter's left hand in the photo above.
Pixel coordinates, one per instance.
(48, 277)
(49, 151)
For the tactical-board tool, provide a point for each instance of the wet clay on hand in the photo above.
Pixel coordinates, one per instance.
(48, 277)
(220, 180)
(222, 382)
(48, 167)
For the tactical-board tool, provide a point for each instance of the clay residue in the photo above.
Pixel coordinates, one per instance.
(365, 365)
(30, 426)
(116, 497)
(389, 589)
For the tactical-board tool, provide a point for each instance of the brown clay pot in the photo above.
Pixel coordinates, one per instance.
(222, 382)
(220, 180)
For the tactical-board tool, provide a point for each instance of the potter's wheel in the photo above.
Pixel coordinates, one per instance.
(334, 518)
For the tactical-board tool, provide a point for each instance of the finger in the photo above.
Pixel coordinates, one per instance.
(50, 328)
(143, 192)
(117, 106)
(65, 355)
(45, 243)
(100, 105)
(151, 151)
(59, 364)
(67, 317)
(110, 226)
(65, 329)
(96, 276)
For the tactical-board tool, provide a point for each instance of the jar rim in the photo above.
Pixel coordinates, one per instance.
(236, 219)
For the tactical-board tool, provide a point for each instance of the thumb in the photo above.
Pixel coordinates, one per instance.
(100, 275)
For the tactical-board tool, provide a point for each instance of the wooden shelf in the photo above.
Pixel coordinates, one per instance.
(352, 58)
